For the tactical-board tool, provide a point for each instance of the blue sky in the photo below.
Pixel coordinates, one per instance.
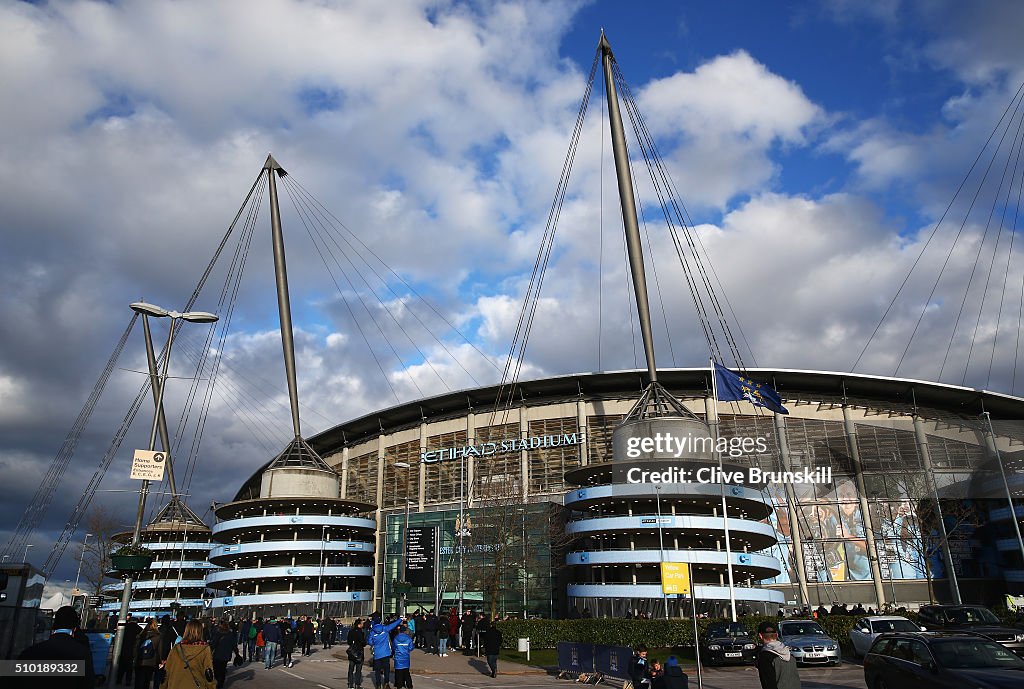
(815, 143)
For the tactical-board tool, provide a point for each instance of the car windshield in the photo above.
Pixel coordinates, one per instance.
(971, 615)
(801, 628)
(882, 626)
(734, 629)
(972, 653)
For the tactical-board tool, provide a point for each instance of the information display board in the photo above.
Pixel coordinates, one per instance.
(421, 555)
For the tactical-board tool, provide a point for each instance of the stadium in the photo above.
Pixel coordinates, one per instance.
(576, 541)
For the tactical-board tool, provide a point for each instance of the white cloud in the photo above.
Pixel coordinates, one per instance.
(728, 113)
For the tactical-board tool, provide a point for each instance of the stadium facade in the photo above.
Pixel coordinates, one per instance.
(528, 511)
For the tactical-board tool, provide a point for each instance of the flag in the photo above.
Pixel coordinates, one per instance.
(733, 387)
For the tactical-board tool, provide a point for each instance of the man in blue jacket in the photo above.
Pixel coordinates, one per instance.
(379, 639)
(403, 649)
(271, 639)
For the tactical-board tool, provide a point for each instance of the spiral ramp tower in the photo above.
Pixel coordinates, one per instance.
(624, 526)
(181, 543)
(298, 549)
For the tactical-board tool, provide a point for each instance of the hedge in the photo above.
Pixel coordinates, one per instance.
(650, 633)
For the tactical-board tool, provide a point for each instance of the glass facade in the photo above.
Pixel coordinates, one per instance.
(507, 560)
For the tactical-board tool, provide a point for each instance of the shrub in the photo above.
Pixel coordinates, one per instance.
(650, 633)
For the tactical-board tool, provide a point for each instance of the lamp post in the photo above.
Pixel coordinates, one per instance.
(462, 533)
(27, 546)
(81, 558)
(661, 545)
(146, 310)
(320, 579)
(402, 572)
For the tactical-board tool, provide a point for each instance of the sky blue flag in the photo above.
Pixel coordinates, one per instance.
(733, 388)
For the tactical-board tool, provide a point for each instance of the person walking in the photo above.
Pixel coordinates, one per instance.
(125, 662)
(287, 643)
(442, 638)
(306, 633)
(190, 663)
(491, 641)
(247, 635)
(776, 666)
(328, 629)
(271, 641)
(430, 627)
(259, 644)
(146, 654)
(62, 645)
(468, 626)
(379, 639)
(355, 653)
(223, 647)
(414, 631)
(403, 662)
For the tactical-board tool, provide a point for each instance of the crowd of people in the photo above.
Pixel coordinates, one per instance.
(187, 653)
(396, 639)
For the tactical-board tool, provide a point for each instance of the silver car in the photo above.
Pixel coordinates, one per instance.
(809, 643)
(866, 630)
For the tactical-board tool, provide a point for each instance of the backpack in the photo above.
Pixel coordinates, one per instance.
(147, 650)
(253, 632)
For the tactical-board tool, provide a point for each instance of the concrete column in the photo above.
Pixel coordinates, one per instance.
(793, 509)
(862, 493)
(581, 427)
(922, 448)
(344, 472)
(524, 459)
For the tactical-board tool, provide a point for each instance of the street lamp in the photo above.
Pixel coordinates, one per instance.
(320, 579)
(146, 310)
(27, 546)
(403, 572)
(81, 558)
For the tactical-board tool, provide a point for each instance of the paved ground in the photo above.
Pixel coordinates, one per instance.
(328, 670)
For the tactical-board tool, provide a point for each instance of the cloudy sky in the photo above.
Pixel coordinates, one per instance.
(815, 146)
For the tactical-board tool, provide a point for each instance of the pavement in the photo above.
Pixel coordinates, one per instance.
(328, 669)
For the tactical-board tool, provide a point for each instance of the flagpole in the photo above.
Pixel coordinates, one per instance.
(725, 509)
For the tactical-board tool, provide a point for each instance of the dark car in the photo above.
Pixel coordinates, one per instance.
(972, 618)
(941, 660)
(727, 643)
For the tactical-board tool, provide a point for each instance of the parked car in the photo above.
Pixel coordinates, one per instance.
(809, 643)
(727, 643)
(866, 630)
(973, 618)
(941, 660)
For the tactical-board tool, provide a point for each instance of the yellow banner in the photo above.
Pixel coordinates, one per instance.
(675, 578)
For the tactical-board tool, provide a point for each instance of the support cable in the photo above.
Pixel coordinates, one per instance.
(985, 234)
(426, 302)
(82, 506)
(352, 315)
(323, 235)
(931, 236)
(517, 350)
(1009, 258)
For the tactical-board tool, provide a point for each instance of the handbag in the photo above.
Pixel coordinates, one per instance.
(207, 675)
(237, 661)
(354, 655)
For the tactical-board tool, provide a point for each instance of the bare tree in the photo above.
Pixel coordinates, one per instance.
(103, 526)
(913, 528)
